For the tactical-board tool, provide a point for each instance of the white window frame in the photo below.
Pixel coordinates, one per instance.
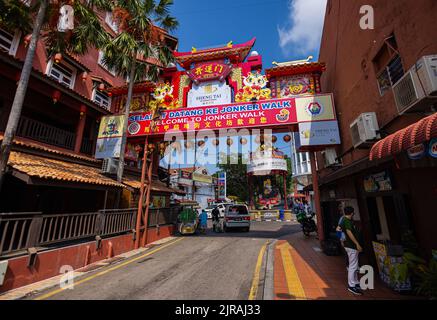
(110, 22)
(104, 66)
(73, 69)
(12, 50)
(95, 91)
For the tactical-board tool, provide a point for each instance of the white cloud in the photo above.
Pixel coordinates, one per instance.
(301, 36)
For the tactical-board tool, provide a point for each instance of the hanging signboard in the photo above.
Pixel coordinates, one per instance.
(209, 93)
(265, 113)
(109, 137)
(201, 175)
(318, 133)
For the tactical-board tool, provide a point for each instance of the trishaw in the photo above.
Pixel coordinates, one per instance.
(188, 219)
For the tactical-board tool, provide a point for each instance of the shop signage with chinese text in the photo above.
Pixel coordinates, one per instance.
(209, 71)
(267, 113)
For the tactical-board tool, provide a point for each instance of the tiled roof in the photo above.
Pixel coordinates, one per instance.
(296, 69)
(40, 167)
(157, 186)
(242, 50)
(51, 149)
(138, 87)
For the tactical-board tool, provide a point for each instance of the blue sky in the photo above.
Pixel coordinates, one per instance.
(285, 29)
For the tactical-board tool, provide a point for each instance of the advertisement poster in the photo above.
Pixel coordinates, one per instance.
(378, 182)
(109, 137)
(221, 182)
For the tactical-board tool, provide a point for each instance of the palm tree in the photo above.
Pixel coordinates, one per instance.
(139, 40)
(129, 53)
(88, 32)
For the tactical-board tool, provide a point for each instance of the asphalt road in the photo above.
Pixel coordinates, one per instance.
(211, 266)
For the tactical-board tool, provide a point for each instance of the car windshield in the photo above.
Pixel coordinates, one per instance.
(237, 210)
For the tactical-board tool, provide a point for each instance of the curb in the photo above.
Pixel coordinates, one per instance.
(37, 287)
(268, 289)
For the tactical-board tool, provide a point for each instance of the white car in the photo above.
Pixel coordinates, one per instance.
(221, 207)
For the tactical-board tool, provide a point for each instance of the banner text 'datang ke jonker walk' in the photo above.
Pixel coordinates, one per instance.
(267, 113)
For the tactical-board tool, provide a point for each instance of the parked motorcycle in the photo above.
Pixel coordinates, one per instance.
(307, 222)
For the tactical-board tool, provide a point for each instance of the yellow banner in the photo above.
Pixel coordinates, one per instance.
(111, 127)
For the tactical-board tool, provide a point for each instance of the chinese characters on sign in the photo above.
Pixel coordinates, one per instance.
(278, 112)
(209, 71)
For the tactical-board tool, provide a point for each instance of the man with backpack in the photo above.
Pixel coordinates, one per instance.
(353, 249)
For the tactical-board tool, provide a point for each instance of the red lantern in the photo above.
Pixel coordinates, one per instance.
(58, 57)
(84, 76)
(101, 86)
(56, 96)
(82, 110)
(287, 138)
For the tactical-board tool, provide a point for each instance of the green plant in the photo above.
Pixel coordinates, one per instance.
(428, 280)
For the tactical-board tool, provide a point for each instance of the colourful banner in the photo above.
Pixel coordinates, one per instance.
(266, 113)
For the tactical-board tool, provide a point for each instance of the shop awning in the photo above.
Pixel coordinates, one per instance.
(32, 169)
(417, 133)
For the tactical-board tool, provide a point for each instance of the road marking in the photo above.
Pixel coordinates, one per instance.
(255, 280)
(294, 285)
(52, 293)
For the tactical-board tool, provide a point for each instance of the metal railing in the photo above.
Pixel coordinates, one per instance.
(87, 146)
(36, 130)
(20, 231)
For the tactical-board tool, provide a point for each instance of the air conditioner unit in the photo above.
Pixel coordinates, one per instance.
(110, 165)
(417, 89)
(330, 157)
(364, 130)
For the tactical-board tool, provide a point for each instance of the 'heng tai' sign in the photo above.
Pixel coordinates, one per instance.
(267, 113)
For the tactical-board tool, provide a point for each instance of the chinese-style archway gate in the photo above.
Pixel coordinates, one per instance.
(223, 88)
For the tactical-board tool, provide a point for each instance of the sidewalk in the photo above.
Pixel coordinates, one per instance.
(303, 272)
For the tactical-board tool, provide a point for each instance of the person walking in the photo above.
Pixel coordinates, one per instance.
(353, 248)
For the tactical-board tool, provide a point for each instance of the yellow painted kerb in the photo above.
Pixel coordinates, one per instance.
(255, 280)
(118, 266)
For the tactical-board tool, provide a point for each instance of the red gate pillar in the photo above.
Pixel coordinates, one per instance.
(317, 196)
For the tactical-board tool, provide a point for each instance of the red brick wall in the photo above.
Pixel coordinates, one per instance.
(348, 52)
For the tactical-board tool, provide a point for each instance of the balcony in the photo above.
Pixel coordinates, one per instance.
(42, 132)
(39, 131)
